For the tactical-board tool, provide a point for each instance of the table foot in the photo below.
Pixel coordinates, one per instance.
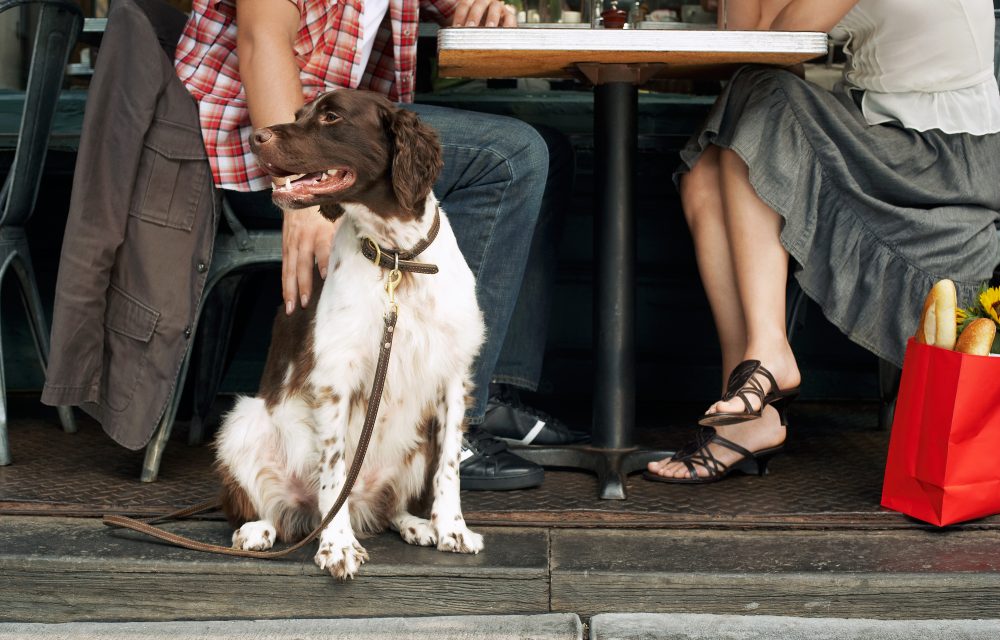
(612, 466)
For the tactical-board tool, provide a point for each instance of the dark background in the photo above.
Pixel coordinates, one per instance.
(677, 352)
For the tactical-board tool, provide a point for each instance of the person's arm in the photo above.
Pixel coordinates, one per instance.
(811, 15)
(265, 41)
(265, 45)
(745, 15)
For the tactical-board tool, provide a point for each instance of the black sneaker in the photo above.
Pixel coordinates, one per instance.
(487, 465)
(509, 419)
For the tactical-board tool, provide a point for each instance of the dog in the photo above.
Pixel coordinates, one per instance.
(283, 454)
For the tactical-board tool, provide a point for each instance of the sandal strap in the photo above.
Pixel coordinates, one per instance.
(697, 452)
(744, 383)
(732, 446)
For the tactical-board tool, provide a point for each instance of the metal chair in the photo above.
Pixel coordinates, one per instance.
(234, 255)
(58, 25)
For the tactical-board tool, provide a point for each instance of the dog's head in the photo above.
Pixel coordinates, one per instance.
(351, 147)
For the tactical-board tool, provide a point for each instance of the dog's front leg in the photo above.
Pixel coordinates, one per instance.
(446, 510)
(339, 552)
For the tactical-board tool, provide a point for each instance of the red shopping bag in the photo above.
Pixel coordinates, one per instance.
(944, 451)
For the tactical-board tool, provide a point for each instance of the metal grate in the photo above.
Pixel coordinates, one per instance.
(830, 476)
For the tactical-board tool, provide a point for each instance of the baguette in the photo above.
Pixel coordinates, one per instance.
(937, 321)
(977, 338)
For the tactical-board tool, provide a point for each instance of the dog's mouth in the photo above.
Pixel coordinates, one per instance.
(295, 188)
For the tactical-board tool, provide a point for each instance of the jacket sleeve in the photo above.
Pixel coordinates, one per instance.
(120, 108)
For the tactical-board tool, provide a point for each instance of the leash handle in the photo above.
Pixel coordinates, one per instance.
(147, 528)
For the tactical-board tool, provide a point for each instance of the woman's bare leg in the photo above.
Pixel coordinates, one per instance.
(760, 265)
(701, 196)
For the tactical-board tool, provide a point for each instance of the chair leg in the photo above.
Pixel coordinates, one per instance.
(39, 326)
(214, 332)
(158, 443)
(889, 376)
(795, 309)
(5, 458)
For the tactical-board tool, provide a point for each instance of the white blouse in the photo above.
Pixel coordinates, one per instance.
(925, 63)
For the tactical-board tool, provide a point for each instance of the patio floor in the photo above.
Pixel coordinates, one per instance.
(830, 476)
(807, 540)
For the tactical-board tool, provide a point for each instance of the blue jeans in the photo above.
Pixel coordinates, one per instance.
(491, 187)
(520, 362)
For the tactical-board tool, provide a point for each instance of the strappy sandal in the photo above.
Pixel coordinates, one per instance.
(697, 454)
(743, 382)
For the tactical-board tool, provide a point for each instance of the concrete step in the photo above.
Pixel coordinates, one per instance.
(555, 626)
(55, 570)
(655, 626)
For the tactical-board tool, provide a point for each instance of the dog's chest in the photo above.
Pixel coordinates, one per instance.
(437, 332)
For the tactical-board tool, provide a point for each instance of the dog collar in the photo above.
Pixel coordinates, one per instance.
(403, 260)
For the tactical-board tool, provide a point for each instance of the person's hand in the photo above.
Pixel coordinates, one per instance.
(306, 239)
(710, 5)
(484, 13)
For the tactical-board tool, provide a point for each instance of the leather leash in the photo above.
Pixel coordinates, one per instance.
(381, 370)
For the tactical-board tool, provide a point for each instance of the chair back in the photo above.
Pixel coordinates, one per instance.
(59, 25)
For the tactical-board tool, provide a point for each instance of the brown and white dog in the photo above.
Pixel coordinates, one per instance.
(284, 454)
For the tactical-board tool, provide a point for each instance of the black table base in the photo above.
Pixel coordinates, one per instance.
(612, 466)
(612, 454)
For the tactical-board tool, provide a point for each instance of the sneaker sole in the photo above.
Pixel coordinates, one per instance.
(510, 483)
(518, 444)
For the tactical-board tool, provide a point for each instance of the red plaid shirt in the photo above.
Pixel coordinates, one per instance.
(325, 49)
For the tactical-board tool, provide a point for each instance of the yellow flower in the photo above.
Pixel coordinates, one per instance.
(990, 301)
(960, 316)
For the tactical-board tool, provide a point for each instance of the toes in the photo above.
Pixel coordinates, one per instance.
(461, 540)
(341, 562)
(657, 465)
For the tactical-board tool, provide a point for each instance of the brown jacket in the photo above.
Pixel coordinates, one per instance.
(139, 236)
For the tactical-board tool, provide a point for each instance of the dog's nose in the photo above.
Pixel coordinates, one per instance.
(260, 136)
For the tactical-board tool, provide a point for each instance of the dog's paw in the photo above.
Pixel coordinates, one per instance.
(419, 532)
(459, 539)
(341, 556)
(254, 536)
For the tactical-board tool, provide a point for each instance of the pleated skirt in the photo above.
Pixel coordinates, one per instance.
(873, 215)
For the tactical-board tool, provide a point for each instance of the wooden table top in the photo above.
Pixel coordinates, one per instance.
(553, 52)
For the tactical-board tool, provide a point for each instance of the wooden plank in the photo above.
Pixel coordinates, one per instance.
(73, 596)
(61, 570)
(64, 544)
(917, 575)
(551, 53)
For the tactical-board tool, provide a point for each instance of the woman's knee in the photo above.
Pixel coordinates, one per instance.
(699, 189)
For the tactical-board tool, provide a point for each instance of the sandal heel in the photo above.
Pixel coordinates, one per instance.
(758, 463)
(781, 403)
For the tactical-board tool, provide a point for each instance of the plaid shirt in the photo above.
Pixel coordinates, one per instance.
(325, 50)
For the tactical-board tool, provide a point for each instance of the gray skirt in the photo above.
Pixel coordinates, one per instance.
(873, 215)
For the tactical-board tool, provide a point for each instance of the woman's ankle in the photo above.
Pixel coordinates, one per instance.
(779, 359)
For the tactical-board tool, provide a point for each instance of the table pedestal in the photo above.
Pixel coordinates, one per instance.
(612, 454)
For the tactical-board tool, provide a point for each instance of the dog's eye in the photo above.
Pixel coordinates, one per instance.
(329, 117)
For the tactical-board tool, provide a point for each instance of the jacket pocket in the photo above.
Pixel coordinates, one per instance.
(128, 328)
(173, 172)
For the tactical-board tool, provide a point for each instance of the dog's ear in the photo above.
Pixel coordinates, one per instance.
(331, 211)
(416, 158)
